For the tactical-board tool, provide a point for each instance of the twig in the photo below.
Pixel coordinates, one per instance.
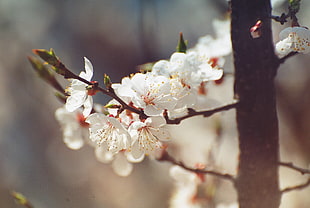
(292, 166)
(207, 113)
(281, 19)
(297, 187)
(168, 158)
(282, 60)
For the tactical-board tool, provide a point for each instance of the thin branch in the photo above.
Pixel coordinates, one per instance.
(207, 113)
(282, 60)
(281, 19)
(292, 166)
(168, 158)
(297, 187)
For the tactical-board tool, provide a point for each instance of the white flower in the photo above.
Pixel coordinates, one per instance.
(186, 184)
(108, 130)
(147, 135)
(78, 92)
(190, 68)
(146, 91)
(215, 47)
(75, 130)
(120, 164)
(293, 39)
(126, 116)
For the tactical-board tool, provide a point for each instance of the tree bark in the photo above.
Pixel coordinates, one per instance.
(255, 69)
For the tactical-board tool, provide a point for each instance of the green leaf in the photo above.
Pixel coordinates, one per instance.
(107, 81)
(182, 45)
(48, 56)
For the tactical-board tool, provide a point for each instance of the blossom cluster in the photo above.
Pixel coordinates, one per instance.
(126, 134)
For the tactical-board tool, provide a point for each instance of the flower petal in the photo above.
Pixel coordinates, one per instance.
(121, 166)
(88, 106)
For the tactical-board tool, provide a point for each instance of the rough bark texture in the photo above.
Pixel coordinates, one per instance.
(255, 68)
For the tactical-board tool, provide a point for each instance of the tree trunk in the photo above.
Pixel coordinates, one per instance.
(255, 68)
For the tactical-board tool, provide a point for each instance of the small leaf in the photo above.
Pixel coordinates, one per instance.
(107, 81)
(51, 58)
(112, 106)
(182, 45)
(48, 56)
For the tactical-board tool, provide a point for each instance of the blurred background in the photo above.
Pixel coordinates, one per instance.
(117, 36)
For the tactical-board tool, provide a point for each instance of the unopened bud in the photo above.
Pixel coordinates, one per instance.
(43, 72)
(182, 45)
(256, 29)
(112, 106)
(107, 81)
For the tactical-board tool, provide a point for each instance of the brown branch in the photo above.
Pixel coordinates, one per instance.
(292, 166)
(110, 92)
(297, 187)
(166, 157)
(191, 112)
(207, 113)
(281, 19)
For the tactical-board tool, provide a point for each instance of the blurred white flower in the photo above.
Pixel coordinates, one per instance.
(146, 136)
(79, 95)
(75, 129)
(215, 47)
(108, 130)
(186, 184)
(293, 39)
(120, 162)
(146, 91)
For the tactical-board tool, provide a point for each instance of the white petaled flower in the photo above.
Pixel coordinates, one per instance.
(126, 116)
(79, 95)
(293, 39)
(147, 136)
(108, 130)
(147, 91)
(190, 68)
(75, 129)
(120, 164)
(202, 70)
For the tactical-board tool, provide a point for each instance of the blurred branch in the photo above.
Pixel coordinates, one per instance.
(297, 187)
(292, 166)
(168, 158)
(21, 199)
